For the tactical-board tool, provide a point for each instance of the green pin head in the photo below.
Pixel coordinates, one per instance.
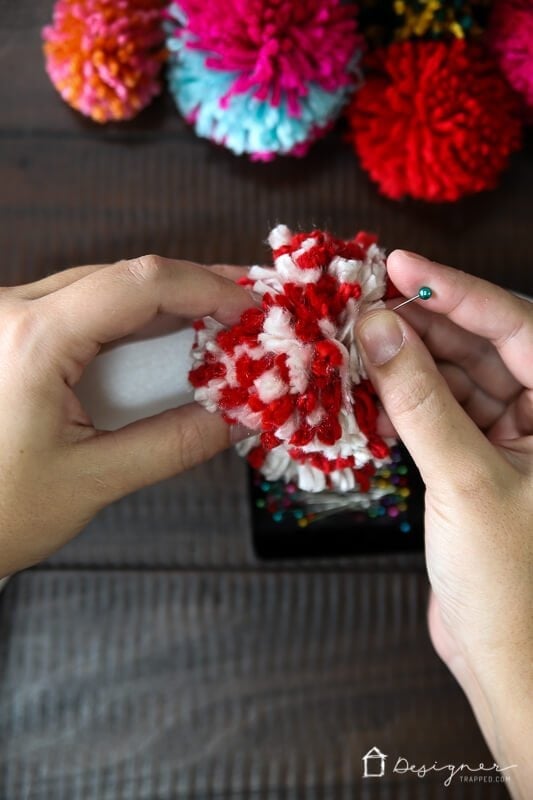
(424, 293)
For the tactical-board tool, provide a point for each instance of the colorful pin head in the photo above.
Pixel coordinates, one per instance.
(424, 293)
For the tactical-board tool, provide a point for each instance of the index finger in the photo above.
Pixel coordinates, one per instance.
(475, 305)
(118, 300)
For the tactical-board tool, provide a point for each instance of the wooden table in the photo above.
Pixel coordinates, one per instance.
(156, 658)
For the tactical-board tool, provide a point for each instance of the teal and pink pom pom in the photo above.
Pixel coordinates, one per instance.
(105, 56)
(262, 77)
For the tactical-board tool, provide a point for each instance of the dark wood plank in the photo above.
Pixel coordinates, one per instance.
(159, 686)
(65, 201)
(252, 681)
(73, 199)
(72, 192)
(198, 520)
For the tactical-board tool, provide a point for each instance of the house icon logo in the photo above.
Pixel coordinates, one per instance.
(374, 763)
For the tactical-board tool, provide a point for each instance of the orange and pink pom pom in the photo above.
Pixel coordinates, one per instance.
(104, 56)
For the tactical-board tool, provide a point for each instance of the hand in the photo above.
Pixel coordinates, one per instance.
(469, 428)
(57, 470)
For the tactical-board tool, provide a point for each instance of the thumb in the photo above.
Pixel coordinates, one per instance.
(441, 437)
(152, 449)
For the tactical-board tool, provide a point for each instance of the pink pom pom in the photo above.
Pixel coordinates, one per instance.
(511, 38)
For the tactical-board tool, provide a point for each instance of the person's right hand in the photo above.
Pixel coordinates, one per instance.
(469, 428)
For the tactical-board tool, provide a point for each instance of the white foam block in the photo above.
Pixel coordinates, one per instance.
(138, 376)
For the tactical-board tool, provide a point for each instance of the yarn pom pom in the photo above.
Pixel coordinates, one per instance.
(104, 56)
(434, 120)
(511, 38)
(291, 368)
(263, 77)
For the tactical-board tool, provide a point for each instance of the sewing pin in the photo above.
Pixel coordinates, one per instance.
(424, 293)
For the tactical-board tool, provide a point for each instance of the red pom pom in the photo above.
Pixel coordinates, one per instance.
(434, 120)
(292, 370)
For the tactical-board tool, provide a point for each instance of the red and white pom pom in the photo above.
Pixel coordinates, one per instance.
(291, 370)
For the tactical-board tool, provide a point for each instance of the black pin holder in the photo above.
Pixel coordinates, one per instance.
(290, 524)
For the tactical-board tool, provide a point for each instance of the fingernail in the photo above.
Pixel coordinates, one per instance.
(416, 256)
(239, 432)
(381, 337)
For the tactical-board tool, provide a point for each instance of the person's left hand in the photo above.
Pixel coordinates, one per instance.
(57, 470)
